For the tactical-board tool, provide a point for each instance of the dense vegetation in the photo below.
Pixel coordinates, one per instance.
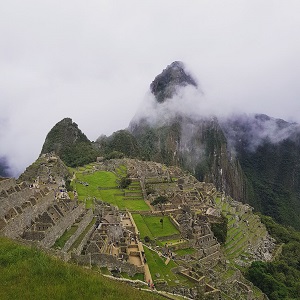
(26, 273)
(274, 173)
(70, 144)
(121, 141)
(279, 279)
(268, 152)
(159, 200)
(220, 229)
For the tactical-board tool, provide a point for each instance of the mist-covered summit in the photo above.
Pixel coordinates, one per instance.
(173, 94)
(166, 84)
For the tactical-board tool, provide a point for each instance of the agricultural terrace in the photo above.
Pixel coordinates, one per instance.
(103, 185)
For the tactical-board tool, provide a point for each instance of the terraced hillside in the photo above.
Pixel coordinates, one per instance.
(140, 221)
(104, 185)
(247, 238)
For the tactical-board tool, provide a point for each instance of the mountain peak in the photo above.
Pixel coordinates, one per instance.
(67, 141)
(165, 85)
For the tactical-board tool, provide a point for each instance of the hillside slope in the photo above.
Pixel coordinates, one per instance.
(67, 141)
(27, 273)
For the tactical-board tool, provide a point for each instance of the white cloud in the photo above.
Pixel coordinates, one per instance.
(93, 61)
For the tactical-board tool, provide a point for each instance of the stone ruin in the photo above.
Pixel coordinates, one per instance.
(41, 212)
(39, 215)
(114, 241)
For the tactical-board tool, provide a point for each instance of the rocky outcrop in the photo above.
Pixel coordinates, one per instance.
(166, 84)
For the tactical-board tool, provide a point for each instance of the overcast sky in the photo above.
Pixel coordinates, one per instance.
(93, 61)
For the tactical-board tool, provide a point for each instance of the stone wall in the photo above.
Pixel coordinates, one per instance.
(81, 227)
(60, 227)
(179, 246)
(169, 237)
(19, 223)
(84, 241)
(111, 262)
(105, 260)
(82, 260)
(175, 223)
(7, 183)
(14, 199)
(211, 259)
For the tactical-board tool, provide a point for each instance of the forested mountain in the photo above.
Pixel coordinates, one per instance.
(67, 141)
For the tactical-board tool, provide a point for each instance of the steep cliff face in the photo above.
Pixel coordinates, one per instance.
(177, 136)
(67, 141)
(268, 150)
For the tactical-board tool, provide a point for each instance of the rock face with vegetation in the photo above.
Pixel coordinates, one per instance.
(196, 143)
(255, 159)
(166, 84)
(268, 150)
(67, 141)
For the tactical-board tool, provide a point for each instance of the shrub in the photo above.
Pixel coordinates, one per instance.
(159, 200)
(220, 229)
(125, 182)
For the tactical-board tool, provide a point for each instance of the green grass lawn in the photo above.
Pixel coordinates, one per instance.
(113, 196)
(186, 251)
(66, 235)
(157, 265)
(142, 227)
(82, 235)
(135, 205)
(152, 227)
(121, 171)
(156, 228)
(27, 273)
